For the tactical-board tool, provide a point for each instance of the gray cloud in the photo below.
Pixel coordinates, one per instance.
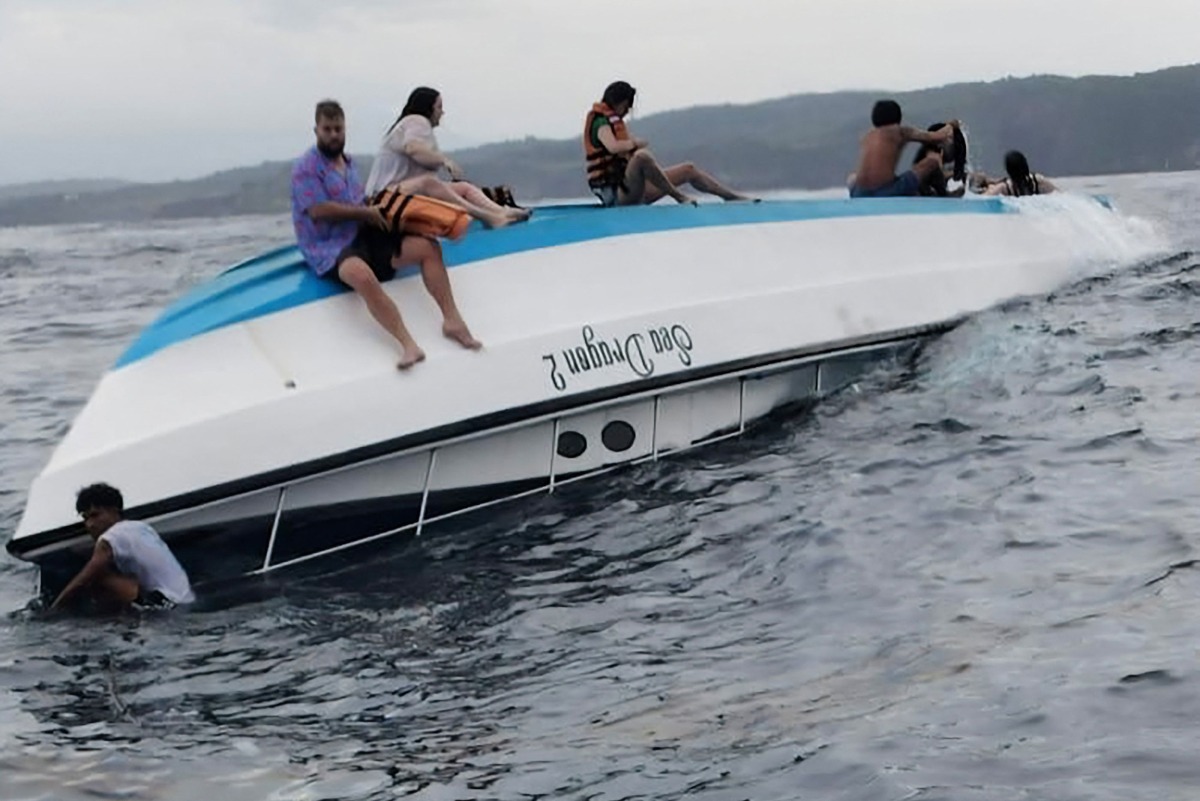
(152, 90)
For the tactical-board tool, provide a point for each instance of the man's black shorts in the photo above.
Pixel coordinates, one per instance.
(374, 246)
(153, 600)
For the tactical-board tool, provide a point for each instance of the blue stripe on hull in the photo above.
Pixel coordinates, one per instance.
(279, 280)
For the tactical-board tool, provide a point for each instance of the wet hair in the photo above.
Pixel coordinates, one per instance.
(329, 110)
(618, 92)
(1020, 178)
(885, 112)
(99, 496)
(953, 154)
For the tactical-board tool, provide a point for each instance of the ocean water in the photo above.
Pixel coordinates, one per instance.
(970, 577)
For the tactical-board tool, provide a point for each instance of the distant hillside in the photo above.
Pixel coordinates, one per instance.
(1083, 126)
(1067, 126)
(69, 187)
(246, 190)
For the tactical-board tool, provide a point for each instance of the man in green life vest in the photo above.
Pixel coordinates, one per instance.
(621, 169)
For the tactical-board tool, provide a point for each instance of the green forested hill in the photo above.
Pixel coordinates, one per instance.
(1067, 126)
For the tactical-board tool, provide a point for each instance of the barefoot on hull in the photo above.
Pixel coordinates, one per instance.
(462, 335)
(410, 356)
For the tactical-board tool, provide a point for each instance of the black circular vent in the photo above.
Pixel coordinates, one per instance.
(618, 436)
(571, 444)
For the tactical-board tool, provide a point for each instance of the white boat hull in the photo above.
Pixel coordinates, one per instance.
(679, 332)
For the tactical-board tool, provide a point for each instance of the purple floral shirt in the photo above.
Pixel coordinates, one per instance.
(315, 180)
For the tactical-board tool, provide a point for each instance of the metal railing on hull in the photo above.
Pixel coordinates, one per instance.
(784, 365)
(817, 361)
(552, 483)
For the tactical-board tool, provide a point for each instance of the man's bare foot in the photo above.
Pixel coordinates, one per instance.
(458, 331)
(409, 356)
(519, 215)
(683, 199)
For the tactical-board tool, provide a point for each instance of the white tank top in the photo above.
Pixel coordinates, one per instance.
(139, 552)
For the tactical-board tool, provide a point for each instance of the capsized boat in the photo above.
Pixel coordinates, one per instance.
(261, 417)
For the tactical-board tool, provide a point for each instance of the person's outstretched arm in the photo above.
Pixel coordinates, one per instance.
(307, 188)
(102, 557)
(940, 136)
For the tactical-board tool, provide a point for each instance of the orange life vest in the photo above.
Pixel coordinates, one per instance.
(604, 168)
(419, 215)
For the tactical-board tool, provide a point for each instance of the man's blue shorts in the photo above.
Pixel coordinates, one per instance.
(906, 185)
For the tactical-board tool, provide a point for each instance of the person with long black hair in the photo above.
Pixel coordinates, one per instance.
(1021, 180)
(953, 167)
(409, 159)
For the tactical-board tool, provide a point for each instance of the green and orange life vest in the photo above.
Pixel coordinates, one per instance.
(604, 168)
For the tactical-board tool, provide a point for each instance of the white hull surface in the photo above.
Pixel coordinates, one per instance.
(266, 402)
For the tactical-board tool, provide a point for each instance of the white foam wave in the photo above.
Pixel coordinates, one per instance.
(1102, 237)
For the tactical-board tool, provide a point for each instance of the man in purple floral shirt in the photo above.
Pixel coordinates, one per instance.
(344, 239)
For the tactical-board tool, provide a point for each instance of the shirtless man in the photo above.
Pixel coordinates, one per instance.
(880, 153)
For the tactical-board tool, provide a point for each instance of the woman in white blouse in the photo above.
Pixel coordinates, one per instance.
(409, 157)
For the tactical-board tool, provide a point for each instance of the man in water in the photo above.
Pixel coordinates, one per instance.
(622, 171)
(344, 239)
(130, 563)
(880, 153)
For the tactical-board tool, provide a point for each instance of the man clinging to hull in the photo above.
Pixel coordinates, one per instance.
(130, 563)
(880, 153)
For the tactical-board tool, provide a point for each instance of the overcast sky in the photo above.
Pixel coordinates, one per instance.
(165, 89)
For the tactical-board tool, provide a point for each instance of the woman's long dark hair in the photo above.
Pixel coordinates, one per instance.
(420, 102)
(1021, 180)
(955, 154)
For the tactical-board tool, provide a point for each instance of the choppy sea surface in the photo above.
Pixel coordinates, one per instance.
(975, 576)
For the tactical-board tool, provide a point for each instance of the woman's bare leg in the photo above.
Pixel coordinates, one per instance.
(646, 182)
(428, 254)
(689, 173)
(473, 194)
(431, 186)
